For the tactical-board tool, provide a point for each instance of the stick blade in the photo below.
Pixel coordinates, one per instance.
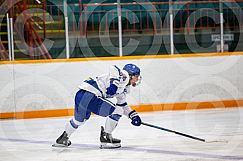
(216, 141)
(59, 145)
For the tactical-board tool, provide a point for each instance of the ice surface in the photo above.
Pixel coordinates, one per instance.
(31, 139)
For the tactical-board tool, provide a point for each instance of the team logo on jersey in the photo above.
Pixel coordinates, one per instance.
(122, 77)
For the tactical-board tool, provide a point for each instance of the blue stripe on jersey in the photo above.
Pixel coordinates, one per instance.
(111, 90)
(113, 79)
(94, 84)
(123, 104)
(115, 117)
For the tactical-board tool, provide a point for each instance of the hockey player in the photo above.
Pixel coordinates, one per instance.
(92, 97)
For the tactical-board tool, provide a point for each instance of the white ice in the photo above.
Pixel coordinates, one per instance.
(31, 139)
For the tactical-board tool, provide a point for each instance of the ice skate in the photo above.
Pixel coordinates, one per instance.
(107, 141)
(62, 141)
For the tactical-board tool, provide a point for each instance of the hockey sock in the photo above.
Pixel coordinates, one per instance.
(72, 126)
(110, 124)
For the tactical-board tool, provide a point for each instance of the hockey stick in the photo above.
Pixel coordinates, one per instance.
(185, 135)
(172, 131)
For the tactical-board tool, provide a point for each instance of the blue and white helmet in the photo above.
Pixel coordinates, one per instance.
(132, 69)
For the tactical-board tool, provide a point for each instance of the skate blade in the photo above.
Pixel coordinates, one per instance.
(59, 145)
(109, 146)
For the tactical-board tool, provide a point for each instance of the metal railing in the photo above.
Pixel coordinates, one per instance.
(145, 18)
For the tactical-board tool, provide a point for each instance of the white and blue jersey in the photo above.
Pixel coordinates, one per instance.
(93, 94)
(112, 84)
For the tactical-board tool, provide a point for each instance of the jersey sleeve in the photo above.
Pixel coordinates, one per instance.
(121, 101)
(113, 82)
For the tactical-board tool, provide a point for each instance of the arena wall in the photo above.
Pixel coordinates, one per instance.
(46, 88)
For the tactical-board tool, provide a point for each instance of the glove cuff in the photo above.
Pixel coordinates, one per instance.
(132, 114)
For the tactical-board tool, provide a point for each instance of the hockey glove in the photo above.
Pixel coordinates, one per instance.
(136, 120)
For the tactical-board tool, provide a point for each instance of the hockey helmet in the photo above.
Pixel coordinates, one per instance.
(132, 69)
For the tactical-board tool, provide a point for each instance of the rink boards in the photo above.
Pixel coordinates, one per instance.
(45, 88)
